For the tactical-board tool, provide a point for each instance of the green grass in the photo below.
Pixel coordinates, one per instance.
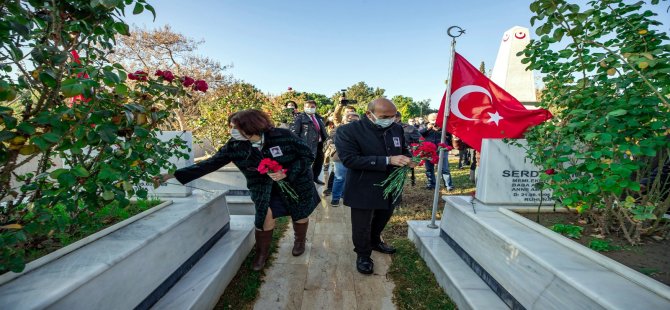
(415, 285)
(243, 288)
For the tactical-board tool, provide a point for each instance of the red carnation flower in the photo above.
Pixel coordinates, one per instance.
(132, 76)
(159, 73)
(550, 171)
(187, 81)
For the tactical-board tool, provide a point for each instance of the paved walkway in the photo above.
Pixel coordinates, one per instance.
(325, 276)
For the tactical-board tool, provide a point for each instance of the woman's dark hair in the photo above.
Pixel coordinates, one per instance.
(251, 122)
(290, 101)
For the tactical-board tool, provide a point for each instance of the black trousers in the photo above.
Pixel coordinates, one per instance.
(366, 228)
(318, 161)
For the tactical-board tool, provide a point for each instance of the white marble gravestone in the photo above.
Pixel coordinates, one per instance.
(507, 177)
(508, 71)
(172, 188)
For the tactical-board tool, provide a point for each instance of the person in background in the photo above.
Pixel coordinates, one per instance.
(412, 135)
(340, 170)
(309, 126)
(338, 120)
(371, 149)
(288, 115)
(463, 152)
(433, 134)
(328, 166)
(253, 139)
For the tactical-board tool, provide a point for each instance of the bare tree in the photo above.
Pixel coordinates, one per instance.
(165, 49)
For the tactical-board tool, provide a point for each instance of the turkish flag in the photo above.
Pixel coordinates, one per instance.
(481, 109)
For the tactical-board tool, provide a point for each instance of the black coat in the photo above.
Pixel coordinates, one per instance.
(303, 127)
(363, 148)
(291, 152)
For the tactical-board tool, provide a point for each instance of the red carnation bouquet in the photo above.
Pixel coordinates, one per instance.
(268, 165)
(421, 152)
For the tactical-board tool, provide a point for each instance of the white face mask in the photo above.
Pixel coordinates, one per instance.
(310, 110)
(383, 123)
(237, 135)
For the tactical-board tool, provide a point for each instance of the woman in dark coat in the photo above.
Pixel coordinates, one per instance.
(255, 138)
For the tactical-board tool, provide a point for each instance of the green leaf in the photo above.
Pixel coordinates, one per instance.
(139, 8)
(122, 28)
(56, 173)
(40, 142)
(26, 128)
(111, 76)
(121, 89)
(80, 171)
(72, 90)
(107, 132)
(141, 132)
(110, 4)
(151, 9)
(10, 122)
(618, 112)
(6, 135)
(51, 137)
(66, 179)
(107, 173)
(48, 78)
(108, 195)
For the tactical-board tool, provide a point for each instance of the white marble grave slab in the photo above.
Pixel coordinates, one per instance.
(507, 177)
(121, 269)
(537, 271)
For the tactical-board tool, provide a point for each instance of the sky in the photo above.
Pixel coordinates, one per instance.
(323, 46)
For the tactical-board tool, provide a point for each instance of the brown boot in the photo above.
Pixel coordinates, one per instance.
(300, 231)
(263, 241)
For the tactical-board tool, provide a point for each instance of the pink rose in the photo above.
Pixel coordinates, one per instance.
(187, 81)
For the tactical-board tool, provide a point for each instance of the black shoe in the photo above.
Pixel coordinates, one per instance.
(335, 203)
(430, 187)
(319, 182)
(383, 248)
(365, 265)
(327, 192)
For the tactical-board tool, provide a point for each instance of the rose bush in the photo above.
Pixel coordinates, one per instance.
(83, 156)
(607, 76)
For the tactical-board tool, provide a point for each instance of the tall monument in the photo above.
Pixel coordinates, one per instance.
(508, 71)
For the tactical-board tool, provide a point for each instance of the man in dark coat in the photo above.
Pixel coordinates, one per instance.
(371, 148)
(309, 126)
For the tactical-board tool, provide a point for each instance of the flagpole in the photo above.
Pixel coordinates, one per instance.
(436, 196)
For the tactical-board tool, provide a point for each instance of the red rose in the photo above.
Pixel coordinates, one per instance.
(168, 76)
(200, 85)
(132, 76)
(139, 75)
(159, 73)
(187, 81)
(550, 171)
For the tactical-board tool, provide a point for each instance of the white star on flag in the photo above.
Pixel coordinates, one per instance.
(495, 117)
